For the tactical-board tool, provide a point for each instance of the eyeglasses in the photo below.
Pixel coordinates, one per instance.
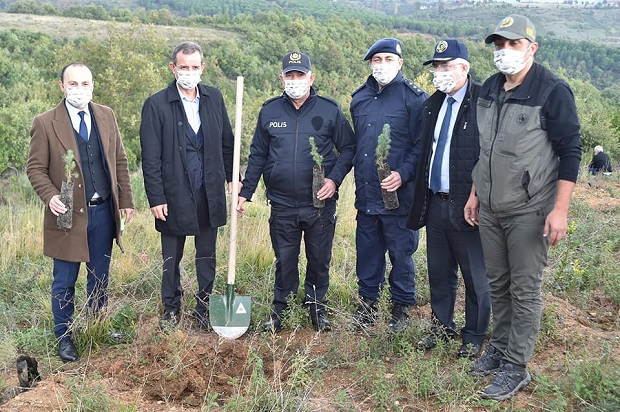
(442, 67)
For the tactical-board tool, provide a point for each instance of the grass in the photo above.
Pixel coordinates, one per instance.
(346, 370)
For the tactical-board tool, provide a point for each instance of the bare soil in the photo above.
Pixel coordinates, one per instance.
(601, 192)
(186, 369)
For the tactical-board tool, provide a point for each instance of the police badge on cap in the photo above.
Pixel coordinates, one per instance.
(447, 50)
(296, 61)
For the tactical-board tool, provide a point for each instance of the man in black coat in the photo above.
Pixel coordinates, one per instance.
(450, 149)
(187, 151)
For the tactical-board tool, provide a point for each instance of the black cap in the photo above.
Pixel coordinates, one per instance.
(448, 50)
(296, 61)
(387, 45)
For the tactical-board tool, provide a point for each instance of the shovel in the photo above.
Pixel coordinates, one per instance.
(230, 314)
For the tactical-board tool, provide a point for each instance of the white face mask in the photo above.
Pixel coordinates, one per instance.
(444, 81)
(509, 61)
(79, 97)
(188, 79)
(296, 89)
(384, 73)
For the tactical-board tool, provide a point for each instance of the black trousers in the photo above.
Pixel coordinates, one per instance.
(448, 250)
(286, 227)
(172, 252)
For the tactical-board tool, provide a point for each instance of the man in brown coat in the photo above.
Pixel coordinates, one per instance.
(102, 195)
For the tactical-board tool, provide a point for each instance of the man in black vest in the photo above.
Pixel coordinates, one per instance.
(187, 152)
(530, 150)
(450, 149)
(102, 195)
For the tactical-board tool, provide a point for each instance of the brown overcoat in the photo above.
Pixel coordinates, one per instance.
(51, 137)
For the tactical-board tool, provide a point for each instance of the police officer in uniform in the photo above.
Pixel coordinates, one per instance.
(385, 98)
(281, 153)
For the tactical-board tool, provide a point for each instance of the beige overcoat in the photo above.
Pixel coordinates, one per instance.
(51, 136)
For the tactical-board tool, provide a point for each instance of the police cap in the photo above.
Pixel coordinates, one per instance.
(448, 50)
(387, 45)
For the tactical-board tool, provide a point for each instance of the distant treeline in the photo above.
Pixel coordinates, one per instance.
(130, 64)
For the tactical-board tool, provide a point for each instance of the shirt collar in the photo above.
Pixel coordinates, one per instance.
(460, 95)
(185, 99)
(73, 111)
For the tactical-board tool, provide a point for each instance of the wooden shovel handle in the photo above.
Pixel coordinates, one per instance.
(232, 253)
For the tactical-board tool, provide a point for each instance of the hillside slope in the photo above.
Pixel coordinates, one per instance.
(66, 27)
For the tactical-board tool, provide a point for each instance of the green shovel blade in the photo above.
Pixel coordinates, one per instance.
(230, 314)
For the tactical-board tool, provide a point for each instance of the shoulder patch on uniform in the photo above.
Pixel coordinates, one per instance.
(271, 100)
(358, 89)
(416, 89)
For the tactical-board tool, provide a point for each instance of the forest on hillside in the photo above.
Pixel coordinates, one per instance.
(589, 60)
(130, 64)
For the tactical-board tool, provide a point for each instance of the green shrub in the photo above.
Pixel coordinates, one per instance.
(597, 382)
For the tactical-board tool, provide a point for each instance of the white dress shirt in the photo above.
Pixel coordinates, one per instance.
(75, 117)
(191, 109)
(445, 163)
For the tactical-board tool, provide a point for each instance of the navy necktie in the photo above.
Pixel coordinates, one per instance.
(441, 146)
(83, 129)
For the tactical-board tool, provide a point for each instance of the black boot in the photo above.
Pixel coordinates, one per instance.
(67, 350)
(366, 313)
(318, 316)
(169, 321)
(201, 312)
(400, 317)
(274, 324)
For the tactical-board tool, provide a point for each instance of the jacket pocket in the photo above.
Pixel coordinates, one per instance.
(525, 183)
(271, 174)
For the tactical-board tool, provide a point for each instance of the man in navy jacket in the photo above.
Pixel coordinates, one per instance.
(281, 153)
(385, 98)
(600, 162)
